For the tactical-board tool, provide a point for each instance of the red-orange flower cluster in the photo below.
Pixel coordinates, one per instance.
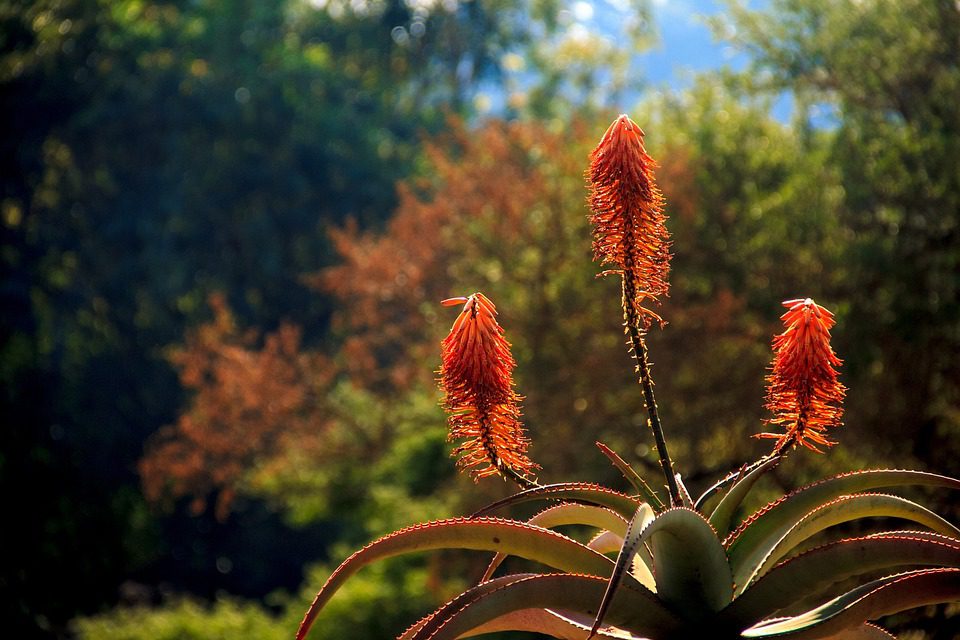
(629, 230)
(803, 391)
(476, 376)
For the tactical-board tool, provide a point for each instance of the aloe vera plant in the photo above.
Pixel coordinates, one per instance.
(682, 568)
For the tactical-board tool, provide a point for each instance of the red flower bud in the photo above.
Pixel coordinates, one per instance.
(629, 232)
(803, 391)
(476, 376)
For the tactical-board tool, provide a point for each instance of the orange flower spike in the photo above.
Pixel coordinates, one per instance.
(476, 376)
(629, 232)
(803, 390)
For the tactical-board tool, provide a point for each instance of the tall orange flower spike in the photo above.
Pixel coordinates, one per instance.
(476, 376)
(803, 391)
(629, 230)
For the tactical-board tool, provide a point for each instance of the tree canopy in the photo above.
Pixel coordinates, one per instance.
(227, 225)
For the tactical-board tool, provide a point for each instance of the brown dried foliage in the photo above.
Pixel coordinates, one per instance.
(492, 195)
(476, 201)
(249, 401)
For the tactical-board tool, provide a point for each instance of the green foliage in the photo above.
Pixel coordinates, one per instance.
(883, 77)
(374, 605)
(185, 620)
(156, 151)
(396, 487)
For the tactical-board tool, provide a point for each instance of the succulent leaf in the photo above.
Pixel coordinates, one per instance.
(842, 509)
(631, 543)
(722, 516)
(685, 498)
(459, 601)
(878, 598)
(642, 566)
(635, 609)
(542, 621)
(606, 542)
(567, 513)
(702, 503)
(749, 544)
(633, 478)
(690, 566)
(576, 491)
(567, 626)
(913, 533)
(484, 534)
(819, 569)
(866, 631)
(689, 562)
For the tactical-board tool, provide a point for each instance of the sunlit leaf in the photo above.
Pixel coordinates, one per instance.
(818, 569)
(722, 516)
(577, 491)
(634, 609)
(749, 544)
(633, 478)
(486, 534)
(690, 565)
(631, 543)
(843, 509)
(878, 598)
(568, 513)
(689, 562)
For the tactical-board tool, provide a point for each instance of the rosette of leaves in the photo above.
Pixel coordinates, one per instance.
(690, 571)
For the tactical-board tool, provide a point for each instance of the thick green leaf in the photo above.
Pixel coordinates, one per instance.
(484, 534)
(642, 566)
(633, 478)
(684, 494)
(577, 491)
(606, 542)
(538, 620)
(722, 516)
(690, 565)
(625, 558)
(568, 513)
(689, 562)
(634, 609)
(818, 569)
(733, 477)
(843, 509)
(878, 598)
(749, 544)
(865, 631)
(460, 601)
(914, 533)
(545, 622)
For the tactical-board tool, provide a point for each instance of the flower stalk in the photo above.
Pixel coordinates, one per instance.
(630, 236)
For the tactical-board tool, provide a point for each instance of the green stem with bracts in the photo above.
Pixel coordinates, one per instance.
(633, 322)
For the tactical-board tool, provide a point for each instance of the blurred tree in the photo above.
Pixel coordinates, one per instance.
(162, 151)
(250, 402)
(883, 79)
(154, 152)
(501, 210)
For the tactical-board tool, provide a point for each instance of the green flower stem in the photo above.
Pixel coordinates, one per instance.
(522, 481)
(646, 383)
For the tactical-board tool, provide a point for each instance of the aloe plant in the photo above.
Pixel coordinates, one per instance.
(683, 568)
